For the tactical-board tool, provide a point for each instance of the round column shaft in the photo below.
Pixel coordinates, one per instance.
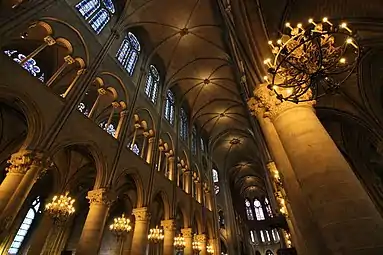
(93, 229)
(140, 234)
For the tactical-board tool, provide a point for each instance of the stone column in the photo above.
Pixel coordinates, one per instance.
(187, 233)
(169, 232)
(91, 236)
(171, 168)
(127, 244)
(187, 180)
(140, 234)
(26, 167)
(120, 124)
(345, 216)
(202, 240)
(150, 150)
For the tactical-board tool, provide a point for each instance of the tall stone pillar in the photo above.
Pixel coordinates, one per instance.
(202, 240)
(187, 180)
(127, 244)
(345, 216)
(91, 236)
(187, 233)
(140, 234)
(169, 232)
(171, 168)
(26, 167)
(150, 150)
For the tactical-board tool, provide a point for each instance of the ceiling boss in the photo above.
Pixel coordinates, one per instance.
(311, 61)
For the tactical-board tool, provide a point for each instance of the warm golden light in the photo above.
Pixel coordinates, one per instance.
(156, 235)
(179, 243)
(342, 61)
(61, 207)
(210, 249)
(120, 226)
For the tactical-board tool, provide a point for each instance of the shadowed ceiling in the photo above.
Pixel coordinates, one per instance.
(190, 39)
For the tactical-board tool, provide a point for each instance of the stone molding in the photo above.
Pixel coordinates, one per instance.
(141, 214)
(22, 161)
(168, 225)
(187, 232)
(265, 104)
(100, 197)
(201, 238)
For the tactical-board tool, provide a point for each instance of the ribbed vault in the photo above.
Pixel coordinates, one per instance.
(189, 38)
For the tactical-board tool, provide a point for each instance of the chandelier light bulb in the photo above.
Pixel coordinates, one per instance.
(61, 207)
(344, 26)
(288, 25)
(342, 61)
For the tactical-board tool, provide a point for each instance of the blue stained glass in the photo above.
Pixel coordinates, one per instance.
(169, 106)
(128, 53)
(135, 149)
(152, 81)
(99, 20)
(109, 5)
(183, 125)
(31, 65)
(88, 7)
(25, 225)
(123, 51)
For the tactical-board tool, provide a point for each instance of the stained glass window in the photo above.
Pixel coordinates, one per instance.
(135, 149)
(263, 240)
(152, 82)
(275, 234)
(183, 125)
(215, 175)
(202, 144)
(31, 65)
(194, 140)
(82, 108)
(88, 7)
(128, 53)
(97, 12)
(169, 106)
(267, 236)
(268, 208)
(249, 212)
(109, 129)
(25, 225)
(258, 210)
(99, 20)
(252, 237)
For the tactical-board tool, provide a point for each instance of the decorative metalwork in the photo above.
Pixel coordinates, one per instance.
(179, 243)
(61, 207)
(120, 226)
(156, 235)
(312, 61)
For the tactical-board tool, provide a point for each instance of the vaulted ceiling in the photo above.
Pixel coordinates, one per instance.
(191, 40)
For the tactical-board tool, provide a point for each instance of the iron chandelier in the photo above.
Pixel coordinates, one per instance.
(312, 61)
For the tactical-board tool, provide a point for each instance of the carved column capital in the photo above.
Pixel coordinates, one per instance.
(187, 232)
(141, 214)
(20, 162)
(100, 197)
(265, 104)
(201, 238)
(168, 225)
